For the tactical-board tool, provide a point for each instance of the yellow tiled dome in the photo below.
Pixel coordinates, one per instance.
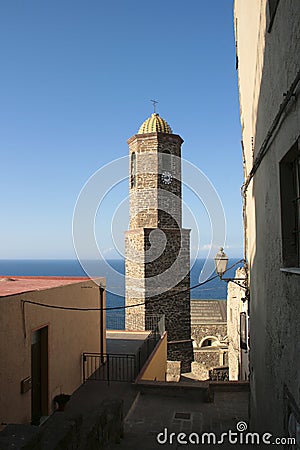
(155, 124)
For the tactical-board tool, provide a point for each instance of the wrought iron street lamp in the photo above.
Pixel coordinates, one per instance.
(221, 261)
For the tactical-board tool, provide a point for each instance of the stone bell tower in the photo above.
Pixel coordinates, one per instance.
(157, 248)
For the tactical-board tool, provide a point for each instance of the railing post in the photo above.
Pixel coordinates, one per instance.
(108, 369)
(83, 367)
(139, 365)
(135, 368)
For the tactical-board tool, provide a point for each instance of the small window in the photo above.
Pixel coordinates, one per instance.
(133, 170)
(209, 342)
(290, 206)
(272, 5)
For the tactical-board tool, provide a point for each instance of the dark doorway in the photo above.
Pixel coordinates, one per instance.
(39, 375)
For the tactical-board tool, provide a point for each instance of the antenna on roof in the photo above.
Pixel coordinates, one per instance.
(154, 105)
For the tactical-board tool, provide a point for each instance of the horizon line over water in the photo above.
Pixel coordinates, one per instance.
(96, 260)
(115, 279)
(113, 270)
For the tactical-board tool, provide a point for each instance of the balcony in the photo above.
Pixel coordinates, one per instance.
(127, 352)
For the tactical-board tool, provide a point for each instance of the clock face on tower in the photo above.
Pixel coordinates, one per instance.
(166, 177)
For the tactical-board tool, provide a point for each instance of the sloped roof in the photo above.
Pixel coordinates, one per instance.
(17, 285)
(208, 311)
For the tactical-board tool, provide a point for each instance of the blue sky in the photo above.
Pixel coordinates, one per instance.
(76, 82)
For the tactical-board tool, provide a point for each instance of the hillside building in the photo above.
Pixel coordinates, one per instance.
(237, 328)
(41, 347)
(209, 334)
(268, 48)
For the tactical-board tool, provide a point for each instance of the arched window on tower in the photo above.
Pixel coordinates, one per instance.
(133, 170)
(166, 161)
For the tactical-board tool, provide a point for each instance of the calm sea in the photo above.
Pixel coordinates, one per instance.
(215, 289)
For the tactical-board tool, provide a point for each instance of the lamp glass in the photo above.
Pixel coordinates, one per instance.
(221, 261)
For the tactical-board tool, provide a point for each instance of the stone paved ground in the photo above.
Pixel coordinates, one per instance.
(151, 414)
(147, 414)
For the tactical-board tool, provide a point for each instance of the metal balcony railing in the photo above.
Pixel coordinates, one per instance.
(137, 321)
(108, 367)
(122, 367)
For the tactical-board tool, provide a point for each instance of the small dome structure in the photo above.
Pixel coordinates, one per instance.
(155, 124)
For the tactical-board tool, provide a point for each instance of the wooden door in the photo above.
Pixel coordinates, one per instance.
(39, 375)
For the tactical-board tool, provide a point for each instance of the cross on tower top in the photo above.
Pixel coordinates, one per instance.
(154, 105)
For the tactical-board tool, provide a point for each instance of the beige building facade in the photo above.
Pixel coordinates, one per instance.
(41, 348)
(237, 328)
(268, 47)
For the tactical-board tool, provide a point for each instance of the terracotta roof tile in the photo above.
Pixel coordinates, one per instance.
(11, 285)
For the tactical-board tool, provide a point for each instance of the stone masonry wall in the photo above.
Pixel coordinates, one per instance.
(166, 276)
(209, 358)
(162, 207)
(157, 248)
(212, 356)
(170, 274)
(202, 331)
(135, 279)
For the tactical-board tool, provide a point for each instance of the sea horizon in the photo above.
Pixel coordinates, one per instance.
(113, 271)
